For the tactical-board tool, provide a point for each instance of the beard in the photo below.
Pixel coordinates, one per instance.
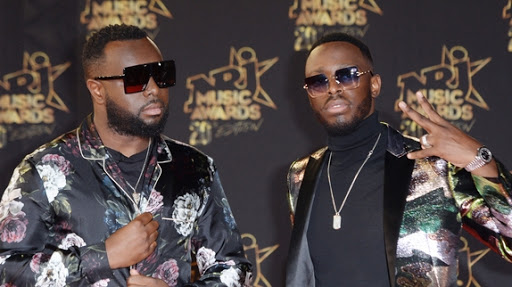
(341, 127)
(126, 123)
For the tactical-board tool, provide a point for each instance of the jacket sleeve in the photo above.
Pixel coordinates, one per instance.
(486, 208)
(294, 182)
(30, 252)
(217, 243)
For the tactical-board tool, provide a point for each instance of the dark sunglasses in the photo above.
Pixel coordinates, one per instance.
(136, 78)
(348, 78)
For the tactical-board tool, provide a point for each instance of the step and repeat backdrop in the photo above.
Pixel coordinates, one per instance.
(239, 95)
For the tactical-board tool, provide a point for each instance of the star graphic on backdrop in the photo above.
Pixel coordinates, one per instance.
(259, 255)
(40, 60)
(371, 5)
(29, 77)
(471, 258)
(244, 69)
(452, 60)
(158, 7)
(236, 58)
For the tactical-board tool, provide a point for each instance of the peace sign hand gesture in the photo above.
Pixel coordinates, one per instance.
(444, 139)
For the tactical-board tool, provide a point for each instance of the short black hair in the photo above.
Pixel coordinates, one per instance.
(93, 49)
(343, 37)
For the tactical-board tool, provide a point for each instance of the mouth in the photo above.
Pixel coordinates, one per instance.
(336, 106)
(153, 109)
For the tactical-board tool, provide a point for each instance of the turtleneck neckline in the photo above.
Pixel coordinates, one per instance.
(366, 131)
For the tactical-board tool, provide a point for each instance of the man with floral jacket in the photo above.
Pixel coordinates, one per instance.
(114, 202)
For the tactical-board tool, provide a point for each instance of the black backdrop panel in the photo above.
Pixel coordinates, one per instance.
(239, 96)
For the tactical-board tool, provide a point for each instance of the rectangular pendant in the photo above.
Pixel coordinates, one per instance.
(336, 221)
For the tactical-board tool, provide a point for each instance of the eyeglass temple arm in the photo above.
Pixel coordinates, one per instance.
(109, 77)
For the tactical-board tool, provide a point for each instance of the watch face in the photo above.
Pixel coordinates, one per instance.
(485, 154)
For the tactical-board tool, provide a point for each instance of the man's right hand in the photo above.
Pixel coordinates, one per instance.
(133, 242)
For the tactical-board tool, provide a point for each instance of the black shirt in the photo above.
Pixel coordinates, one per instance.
(355, 254)
(131, 167)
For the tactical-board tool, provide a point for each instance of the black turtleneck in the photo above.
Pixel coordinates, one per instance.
(355, 254)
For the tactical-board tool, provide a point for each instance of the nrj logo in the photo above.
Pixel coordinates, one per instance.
(316, 17)
(507, 15)
(28, 96)
(448, 87)
(256, 254)
(468, 261)
(228, 100)
(140, 13)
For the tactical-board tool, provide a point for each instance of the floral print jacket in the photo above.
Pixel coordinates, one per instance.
(68, 196)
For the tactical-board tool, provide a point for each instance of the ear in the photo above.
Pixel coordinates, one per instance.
(96, 90)
(375, 85)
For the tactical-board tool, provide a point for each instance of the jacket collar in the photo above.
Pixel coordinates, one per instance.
(91, 147)
(399, 144)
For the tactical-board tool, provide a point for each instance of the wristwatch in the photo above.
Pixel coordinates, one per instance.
(483, 157)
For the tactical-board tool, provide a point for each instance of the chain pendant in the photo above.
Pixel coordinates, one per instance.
(336, 221)
(136, 197)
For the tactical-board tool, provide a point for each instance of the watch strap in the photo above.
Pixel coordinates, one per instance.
(478, 161)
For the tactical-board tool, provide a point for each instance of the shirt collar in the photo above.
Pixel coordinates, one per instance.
(91, 147)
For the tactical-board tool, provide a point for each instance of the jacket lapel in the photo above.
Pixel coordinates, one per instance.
(311, 176)
(299, 262)
(397, 176)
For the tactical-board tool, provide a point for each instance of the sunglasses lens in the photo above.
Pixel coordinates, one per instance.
(317, 84)
(347, 77)
(136, 78)
(164, 74)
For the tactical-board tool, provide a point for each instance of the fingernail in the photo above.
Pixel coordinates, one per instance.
(402, 104)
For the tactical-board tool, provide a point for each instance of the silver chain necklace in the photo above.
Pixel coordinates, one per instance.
(135, 194)
(336, 219)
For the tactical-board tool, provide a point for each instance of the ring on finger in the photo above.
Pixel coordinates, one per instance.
(424, 141)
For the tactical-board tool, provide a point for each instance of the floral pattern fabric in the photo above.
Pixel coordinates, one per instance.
(69, 195)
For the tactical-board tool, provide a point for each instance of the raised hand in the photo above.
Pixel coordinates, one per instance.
(444, 139)
(133, 242)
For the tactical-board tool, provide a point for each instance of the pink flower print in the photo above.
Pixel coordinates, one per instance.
(58, 161)
(36, 262)
(143, 266)
(13, 228)
(155, 202)
(168, 272)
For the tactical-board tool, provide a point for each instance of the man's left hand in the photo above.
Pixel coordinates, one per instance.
(136, 279)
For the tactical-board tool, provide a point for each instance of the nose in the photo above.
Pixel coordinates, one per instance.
(334, 86)
(151, 88)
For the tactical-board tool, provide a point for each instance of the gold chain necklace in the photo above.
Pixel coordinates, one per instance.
(336, 219)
